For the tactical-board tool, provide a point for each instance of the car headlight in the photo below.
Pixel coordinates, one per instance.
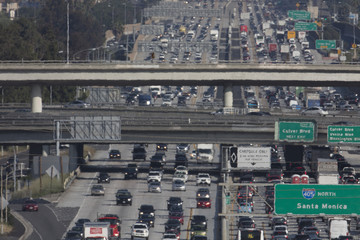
(129, 199)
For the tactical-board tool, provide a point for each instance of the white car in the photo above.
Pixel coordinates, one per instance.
(178, 185)
(154, 176)
(140, 230)
(203, 178)
(169, 236)
(182, 172)
(315, 111)
(182, 168)
(180, 176)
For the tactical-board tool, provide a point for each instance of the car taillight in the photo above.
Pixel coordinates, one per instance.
(207, 203)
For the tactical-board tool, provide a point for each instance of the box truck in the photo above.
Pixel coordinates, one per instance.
(97, 230)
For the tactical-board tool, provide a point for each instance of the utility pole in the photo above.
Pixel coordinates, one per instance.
(1, 200)
(67, 32)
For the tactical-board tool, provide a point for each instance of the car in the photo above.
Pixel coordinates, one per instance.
(197, 230)
(77, 104)
(79, 229)
(97, 190)
(202, 202)
(174, 201)
(30, 205)
(180, 176)
(139, 152)
(182, 173)
(274, 174)
(203, 178)
(159, 157)
(139, 230)
(145, 208)
(123, 196)
(200, 220)
(247, 225)
(277, 221)
(199, 238)
(173, 224)
(154, 186)
(131, 171)
(148, 219)
(305, 222)
(176, 212)
(203, 193)
(103, 178)
(315, 111)
(312, 231)
(281, 228)
(178, 185)
(169, 236)
(245, 207)
(73, 235)
(181, 101)
(348, 171)
(182, 148)
(182, 168)
(281, 234)
(161, 147)
(114, 154)
(260, 113)
(181, 160)
(81, 221)
(154, 176)
(301, 237)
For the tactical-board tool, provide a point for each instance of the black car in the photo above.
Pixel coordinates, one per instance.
(174, 201)
(72, 235)
(123, 196)
(115, 154)
(130, 172)
(181, 160)
(81, 221)
(245, 220)
(173, 225)
(181, 101)
(277, 221)
(305, 222)
(146, 209)
(197, 220)
(139, 152)
(161, 147)
(103, 178)
(148, 219)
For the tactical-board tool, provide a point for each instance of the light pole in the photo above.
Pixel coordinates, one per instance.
(67, 31)
(127, 36)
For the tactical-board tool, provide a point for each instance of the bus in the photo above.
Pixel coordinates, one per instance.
(250, 234)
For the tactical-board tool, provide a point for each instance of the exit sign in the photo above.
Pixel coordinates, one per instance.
(343, 134)
(296, 131)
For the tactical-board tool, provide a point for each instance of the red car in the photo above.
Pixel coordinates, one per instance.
(30, 205)
(176, 212)
(203, 203)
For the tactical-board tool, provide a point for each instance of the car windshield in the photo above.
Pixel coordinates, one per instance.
(123, 194)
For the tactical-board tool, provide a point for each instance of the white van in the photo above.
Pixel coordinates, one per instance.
(338, 227)
(155, 90)
(205, 153)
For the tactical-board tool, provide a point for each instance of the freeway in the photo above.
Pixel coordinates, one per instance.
(78, 195)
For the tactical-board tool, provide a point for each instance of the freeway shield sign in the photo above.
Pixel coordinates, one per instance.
(299, 15)
(305, 26)
(316, 199)
(325, 44)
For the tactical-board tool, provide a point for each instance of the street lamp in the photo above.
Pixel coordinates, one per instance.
(127, 36)
(67, 31)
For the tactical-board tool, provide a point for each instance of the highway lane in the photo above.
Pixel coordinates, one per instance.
(78, 195)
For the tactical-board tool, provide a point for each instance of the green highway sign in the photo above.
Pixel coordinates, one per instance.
(314, 199)
(325, 44)
(299, 15)
(292, 131)
(344, 134)
(305, 26)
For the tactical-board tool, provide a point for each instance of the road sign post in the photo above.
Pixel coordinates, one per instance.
(325, 44)
(299, 15)
(343, 134)
(296, 131)
(305, 26)
(314, 199)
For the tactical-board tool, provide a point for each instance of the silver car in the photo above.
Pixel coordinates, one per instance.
(97, 190)
(315, 111)
(178, 185)
(154, 186)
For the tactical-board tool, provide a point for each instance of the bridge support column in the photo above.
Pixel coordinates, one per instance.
(75, 156)
(228, 95)
(36, 150)
(36, 98)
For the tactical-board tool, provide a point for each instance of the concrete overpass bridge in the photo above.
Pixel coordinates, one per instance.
(227, 75)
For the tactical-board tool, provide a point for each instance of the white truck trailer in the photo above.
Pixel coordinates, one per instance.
(97, 230)
(327, 171)
(205, 153)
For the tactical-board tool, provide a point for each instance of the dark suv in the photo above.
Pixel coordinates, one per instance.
(123, 196)
(131, 172)
(103, 177)
(139, 152)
